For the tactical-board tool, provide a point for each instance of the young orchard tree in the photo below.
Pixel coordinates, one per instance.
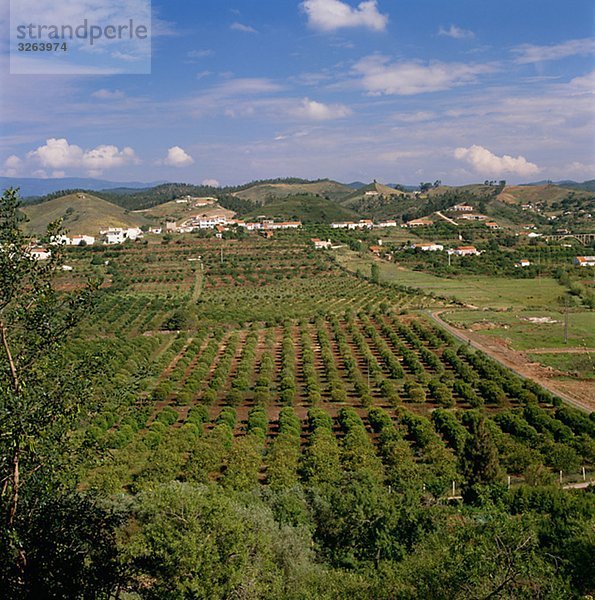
(41, 391)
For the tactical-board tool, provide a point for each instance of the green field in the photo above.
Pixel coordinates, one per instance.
(580, 365)
(477, 290)
(523, 334)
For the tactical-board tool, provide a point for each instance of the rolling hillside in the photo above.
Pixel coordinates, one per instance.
(372, 191)
(178, 212)
(308, 209)
(263, 192)
(82, 214)
(548, 195)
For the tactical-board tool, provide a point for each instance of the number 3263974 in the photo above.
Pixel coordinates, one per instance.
(42, 47)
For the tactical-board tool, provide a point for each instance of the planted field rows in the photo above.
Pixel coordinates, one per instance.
(223, 396)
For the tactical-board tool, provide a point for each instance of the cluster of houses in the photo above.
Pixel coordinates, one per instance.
(433, 247)
(363, 224)
(204, 201)
(221, 223)
(112, 235)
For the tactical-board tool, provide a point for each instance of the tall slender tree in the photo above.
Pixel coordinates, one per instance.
(41, 390)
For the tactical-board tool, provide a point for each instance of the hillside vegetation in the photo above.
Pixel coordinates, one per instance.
(306, 208)
(263, 192)
(177, 212)
(82, 213)
(545, 194)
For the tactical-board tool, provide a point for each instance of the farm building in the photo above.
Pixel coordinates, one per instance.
(584, 261)
(40, 253)
(473, 217)
(428, 247)
(282, 225)
(423, 222)
(321, 244)
(82, 240)
(523, 263)
(462, 208)
(386, 224)
(467, 251)
(344, 225)
(117, 235)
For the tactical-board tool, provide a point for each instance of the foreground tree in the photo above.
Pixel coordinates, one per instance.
(41, 391)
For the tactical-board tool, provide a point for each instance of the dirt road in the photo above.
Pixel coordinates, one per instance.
(580, 398)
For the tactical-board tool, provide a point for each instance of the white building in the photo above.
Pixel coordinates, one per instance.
(321, 244)
(462, 208)
(428, 247)
(40, 253)
(282, 225)
(423, 222)
(386, 224)
(466, 251)
(82, 240)
(523, 263)
(117, 235)
(473, 217)
(205, 222)
(584, 261)
(343, 225)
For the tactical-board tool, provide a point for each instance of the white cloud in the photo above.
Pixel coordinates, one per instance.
(199, 53)
(241, 27)
(330, 15)
(59, 154)
(379, 76)
(487, 163)
(417, 117)
(579, 170)
(288, 136)
(456, 33)
(104, 94)
(585, 83)
(211, 182)
(177, 157)
(529, 53)
(318, 111)
(12, 166)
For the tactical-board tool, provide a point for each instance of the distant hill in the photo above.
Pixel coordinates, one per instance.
(371, 190)
(180, 212)
(265, 192)
(587, 186)
(305, 208)
(547, 194)
(82, 213)
(31, 187)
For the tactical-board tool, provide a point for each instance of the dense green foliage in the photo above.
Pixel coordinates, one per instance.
(273, 427)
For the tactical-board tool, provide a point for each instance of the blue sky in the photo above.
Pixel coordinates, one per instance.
(393, 90)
